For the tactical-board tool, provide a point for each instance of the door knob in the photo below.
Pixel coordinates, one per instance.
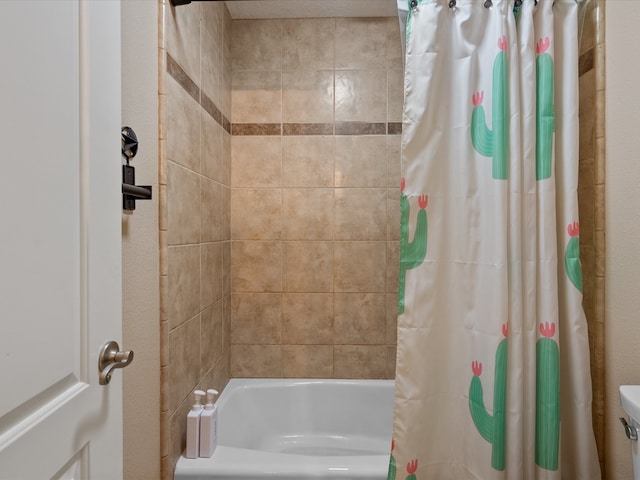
(111, 357)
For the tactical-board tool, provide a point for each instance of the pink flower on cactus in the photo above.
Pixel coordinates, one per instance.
(412, 466)
(573, 229)
(422, 201)
(547, 329)
(502, 43)
(393, 444)
(505, 329)
(477, 368)
(477, 98)
(402, 184)
(543, 45)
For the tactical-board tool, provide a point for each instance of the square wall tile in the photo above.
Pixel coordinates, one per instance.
(307, 96)
(393, 267)
(256, 318)
(392, 318)
(393, 214)
(226, 268)
(227, 153)
(184, 360)
(359, 266)
(307, 361)
(210, 273)
(256, 44)
(211, 337)
(256, 266)
(183, 205)
(182, 120)
(213, 22)
(395, 95)
(394, 44)
(184, 283)
(307, 318)
(307, 266)
(359, 361)
(211, 150)
(256, 361)
(211, 64)
(361, 96)
(360, 319)
(227, 25)
(393, 161)
(256, 161)
(361, 161)
(256, 97)
(362, 43)
(390, 367)
(308, 161)
(182, 37)
(211, 210)
(307, 43)
(307, 214)
(361, 214)
(256, 213)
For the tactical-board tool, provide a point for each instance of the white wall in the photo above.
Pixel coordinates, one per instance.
(140, 257)
(622, 324)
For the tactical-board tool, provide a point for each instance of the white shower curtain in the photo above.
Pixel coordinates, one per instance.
(492, 377)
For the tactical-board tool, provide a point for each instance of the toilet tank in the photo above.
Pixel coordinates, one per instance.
(630, 399)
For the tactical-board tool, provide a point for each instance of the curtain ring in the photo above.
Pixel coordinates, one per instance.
(517, 4)
(452, 4)
(414, 6)
(488, 4)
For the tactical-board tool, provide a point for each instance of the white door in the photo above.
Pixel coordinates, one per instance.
(60, 237)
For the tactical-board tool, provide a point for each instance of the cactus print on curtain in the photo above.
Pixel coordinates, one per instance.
(492, 380)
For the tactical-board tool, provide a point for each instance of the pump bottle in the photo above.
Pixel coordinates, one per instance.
(208, 423)
(193, 426)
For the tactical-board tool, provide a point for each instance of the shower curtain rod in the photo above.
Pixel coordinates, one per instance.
(175, 3)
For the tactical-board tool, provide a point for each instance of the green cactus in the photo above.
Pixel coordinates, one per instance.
(492, 428)
(572, 256)
(545, 114)
(494, 143)
(392, 464)
(392, 469)
(411, 253)
(547, 399)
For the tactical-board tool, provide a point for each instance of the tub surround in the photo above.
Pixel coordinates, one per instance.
(194, 198)
(316, 123)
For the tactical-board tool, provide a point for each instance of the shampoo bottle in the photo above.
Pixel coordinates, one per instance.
(208, 422)
(193, 426)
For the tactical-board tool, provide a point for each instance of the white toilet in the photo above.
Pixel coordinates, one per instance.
(630, 398)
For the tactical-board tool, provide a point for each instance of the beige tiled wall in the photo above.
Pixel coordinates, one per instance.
(314, 196)
(591, 198)
(195, 231)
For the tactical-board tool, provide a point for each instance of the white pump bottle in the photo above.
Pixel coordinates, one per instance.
(193, 426)
(208, 423)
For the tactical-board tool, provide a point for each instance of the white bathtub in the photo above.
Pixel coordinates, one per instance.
(299, 429)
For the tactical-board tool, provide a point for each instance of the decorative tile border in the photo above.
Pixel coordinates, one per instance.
(338, 128)
(256, 129)
(179, 75)
(586, 62)
(307, 129)
(394, 128)
(360, 128)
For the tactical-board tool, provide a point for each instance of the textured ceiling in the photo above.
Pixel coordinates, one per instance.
(311, 8)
